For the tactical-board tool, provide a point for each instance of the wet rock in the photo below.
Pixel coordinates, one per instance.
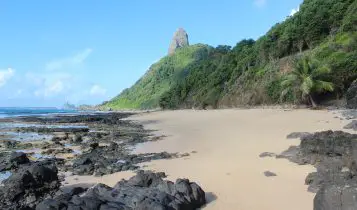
(146, 190)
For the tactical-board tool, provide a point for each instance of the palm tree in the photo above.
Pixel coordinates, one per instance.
(307, 77)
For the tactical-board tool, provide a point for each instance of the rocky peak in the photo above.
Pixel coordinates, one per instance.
(180, 39)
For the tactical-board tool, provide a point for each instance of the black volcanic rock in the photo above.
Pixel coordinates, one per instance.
(146, 190)
(13, 160)
(29, 185)
(334, 154)
(102, 160)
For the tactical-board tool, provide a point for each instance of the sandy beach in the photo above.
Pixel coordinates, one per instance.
(224, 147)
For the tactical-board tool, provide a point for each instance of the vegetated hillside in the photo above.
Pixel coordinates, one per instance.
(251, 73)
(146, 92)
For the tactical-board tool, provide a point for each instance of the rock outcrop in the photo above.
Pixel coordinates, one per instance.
(146, 190)
(334, 154)
(179, 40)
(29, 185)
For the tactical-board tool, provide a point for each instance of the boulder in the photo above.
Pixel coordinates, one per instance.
(29, 185)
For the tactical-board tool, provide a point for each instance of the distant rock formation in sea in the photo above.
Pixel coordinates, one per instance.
(179, 40)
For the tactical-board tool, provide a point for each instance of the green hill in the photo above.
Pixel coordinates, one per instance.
(251, 72)
(146, 92)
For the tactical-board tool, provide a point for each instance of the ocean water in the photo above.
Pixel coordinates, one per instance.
(5, 134)
(24, 111)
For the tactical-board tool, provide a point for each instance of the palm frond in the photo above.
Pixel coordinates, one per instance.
(283, 93)
(306, 66)
(307, 86)
(288, 80)
(322, 86)
(322, 70)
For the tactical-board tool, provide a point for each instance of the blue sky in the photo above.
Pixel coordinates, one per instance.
(88, 51)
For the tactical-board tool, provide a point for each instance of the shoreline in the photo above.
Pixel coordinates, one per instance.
(230, 153)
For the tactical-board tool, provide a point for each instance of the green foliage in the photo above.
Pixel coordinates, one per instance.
(255, 72)
(146, 92)
(306, 77)
(350, 20)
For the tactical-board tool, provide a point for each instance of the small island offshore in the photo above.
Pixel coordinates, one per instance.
(266, 124)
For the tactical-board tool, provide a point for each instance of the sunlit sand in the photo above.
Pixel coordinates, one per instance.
(224, 147)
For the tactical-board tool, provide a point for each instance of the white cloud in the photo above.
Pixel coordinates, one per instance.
(53, 84)
(260, 3)
(97, 90)
(5, 75)
(69, 62)
(294, 11)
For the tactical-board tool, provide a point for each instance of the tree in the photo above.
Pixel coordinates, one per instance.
(307, 76)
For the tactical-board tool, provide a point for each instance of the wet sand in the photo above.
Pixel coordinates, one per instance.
(224, 147)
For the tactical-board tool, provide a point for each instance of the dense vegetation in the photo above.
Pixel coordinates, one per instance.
(306, 78)
(146, 92)
(253, 72)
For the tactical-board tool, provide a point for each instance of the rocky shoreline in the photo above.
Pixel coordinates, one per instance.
(33, 172)
(85, 144)
(334, 155)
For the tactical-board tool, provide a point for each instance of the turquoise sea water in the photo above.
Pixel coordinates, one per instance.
(24, 111)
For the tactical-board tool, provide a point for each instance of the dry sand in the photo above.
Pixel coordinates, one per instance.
(227, 163)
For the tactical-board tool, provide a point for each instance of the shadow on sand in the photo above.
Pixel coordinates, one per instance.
(210, 197)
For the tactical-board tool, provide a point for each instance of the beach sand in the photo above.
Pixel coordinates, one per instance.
(226, 162)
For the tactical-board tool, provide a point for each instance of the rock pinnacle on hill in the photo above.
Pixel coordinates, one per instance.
(179, 40)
